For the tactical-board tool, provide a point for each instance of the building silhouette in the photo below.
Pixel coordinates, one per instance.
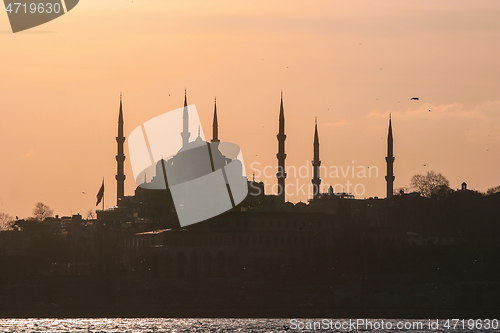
(316, 163)
(185, 121)
(390, 162)
(153, 203)
(281, 174)
(329, 201)
(120, 157)
(189, 163)
(193, 160)
(215, 125)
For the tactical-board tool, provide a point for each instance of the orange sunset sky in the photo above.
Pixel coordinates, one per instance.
(349, 63)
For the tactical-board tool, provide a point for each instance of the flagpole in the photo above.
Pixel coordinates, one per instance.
(103, 194)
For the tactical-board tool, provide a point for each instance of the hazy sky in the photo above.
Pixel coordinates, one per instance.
(350, 63)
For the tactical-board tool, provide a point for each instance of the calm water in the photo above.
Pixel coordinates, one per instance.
(143, 325)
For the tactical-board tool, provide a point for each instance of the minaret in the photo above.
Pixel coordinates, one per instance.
(316, 181)
(390, 162)
(215, 126)
(281, 174)
(120, 157)
(185, 122)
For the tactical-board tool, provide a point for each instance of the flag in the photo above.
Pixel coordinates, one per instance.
(100, 194)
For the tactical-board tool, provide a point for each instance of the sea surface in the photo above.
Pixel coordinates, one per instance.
(150, 325)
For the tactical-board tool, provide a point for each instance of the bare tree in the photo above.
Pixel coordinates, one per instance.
(431, 184)
(6, 222)
(42, 211)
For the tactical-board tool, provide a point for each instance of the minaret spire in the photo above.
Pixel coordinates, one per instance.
(120, 157)
(316, 181)
(185, 122)
(281, 174)
(390, 161)
(215, 126)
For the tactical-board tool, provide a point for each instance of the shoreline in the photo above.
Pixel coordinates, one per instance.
(250, 313)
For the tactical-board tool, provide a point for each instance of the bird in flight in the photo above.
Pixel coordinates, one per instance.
(414, 99)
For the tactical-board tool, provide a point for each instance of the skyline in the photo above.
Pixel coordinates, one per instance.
(348, 64)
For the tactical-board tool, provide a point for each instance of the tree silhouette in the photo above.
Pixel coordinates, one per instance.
(41, 212)
(493, 190)
(431, 185)
(441, 192)
(6, 221)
